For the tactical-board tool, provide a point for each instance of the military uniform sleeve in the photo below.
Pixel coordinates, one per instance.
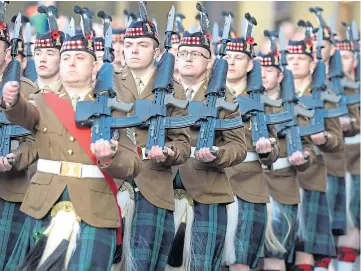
(26, 154)
(307, 146)
(27, 87)
(270, 158)
(333, 128)
(354, 113)
(126, 163)
(23, 113)
(178, 139)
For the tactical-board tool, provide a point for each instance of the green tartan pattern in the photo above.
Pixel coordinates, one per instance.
(317, 238)
(152, 235)
(354, 204)
(251, 232)
(281, 227)
(11, 223)
(208, 235)
(336, 198)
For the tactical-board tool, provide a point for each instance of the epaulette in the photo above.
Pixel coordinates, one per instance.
(118, 70)
(28, 81)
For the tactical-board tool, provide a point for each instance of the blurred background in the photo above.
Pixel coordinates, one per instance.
(269, 14)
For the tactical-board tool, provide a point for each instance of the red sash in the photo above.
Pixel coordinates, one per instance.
(66, 115)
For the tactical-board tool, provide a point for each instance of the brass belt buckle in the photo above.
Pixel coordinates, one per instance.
(69, 169)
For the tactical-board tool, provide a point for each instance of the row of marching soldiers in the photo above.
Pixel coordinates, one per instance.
(235, 206)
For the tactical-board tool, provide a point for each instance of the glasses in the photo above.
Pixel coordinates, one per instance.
(194, 54)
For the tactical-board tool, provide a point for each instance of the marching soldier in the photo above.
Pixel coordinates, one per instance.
(349, 244)
(248, 214)
(314, 238)
(281, 178)
(336, 171)
(201, 182)
(47, 53)
(72, 211)
(149, 221)
(118, 46)
(13, 183)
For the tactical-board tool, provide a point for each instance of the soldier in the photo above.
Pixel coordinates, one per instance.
(68, 187)
(47, 53)
(14, 183)
(149, 233)
(281, 177)
(118, 46)
(201, 182)
(314, 238)
(349, 244)
(249, 212)
(336, 171)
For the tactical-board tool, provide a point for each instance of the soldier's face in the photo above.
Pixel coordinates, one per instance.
(174, 49)
(301, 65)
(271, 77)
(118, 47)
(47, 62)
(193, 61)
(77, 68)
(326, 51)
(19, 57)
(348, 61)
(140, 53)
(238, 65)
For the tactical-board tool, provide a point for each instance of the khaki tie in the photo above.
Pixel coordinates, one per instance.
(74, 100)
(46, 89)
(189, 94)
(233, 91)
(139, 84)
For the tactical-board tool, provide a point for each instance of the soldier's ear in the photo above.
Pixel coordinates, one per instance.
(7, 56)
(249, 65)
(156, 53)
(280, 77)
(332, 50)
(355, 62)
(312, 66)
(95, 70)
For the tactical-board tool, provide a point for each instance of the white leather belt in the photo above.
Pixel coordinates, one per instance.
(281, 163)
(317, 150)
(193, 149)
(251, 156)
(69, 169)
(353, 140)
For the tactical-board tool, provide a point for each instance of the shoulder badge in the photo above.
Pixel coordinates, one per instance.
(131, 135)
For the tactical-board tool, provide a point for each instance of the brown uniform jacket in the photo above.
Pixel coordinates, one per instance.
(333, 160)
(207, 183)
(92, 198)
(155, 181)
(246, 178)
(352, 151)
(14, 183)
(314, 178)
(282, 184)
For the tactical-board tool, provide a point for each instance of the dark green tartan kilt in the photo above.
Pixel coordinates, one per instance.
(152, 235)
(11, 222)
(94, 248)
(284, 229)
(336, 197)
(316, 237)
(251, 231)
(354, 204)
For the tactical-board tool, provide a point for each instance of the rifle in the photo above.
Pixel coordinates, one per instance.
(206, 115)
(9, 131)
(291, 130)
(319, 91)
(148, 114)
(253, 106)
(30, 70)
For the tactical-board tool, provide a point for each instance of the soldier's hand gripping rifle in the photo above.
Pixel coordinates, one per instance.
(320, 94)
(291, 130)
(9, 131)
(30, 70)
(253, 106)
(206, 115)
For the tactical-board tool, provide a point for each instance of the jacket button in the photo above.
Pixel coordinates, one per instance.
(70, 152)
(72, 139)
(45, 129)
